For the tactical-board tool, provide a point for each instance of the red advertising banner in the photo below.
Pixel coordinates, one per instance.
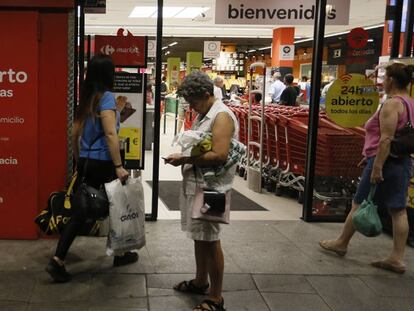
(38, 3)
(18, 124)
(126, 51)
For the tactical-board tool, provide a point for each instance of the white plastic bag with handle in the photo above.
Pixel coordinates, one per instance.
(126, 216)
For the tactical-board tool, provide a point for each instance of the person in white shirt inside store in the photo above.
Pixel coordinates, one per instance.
(326, 87)
(218, 87)
(276, 88)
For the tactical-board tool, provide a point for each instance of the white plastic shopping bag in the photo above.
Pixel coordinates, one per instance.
(126, 216)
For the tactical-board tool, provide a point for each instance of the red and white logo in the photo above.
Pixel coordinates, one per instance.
(107, 49)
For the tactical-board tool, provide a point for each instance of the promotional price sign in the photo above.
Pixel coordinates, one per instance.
(352, 100)
(18, 125)
(130, 102)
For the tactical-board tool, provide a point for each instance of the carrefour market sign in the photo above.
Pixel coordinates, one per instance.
(352, 100)
(278, 12)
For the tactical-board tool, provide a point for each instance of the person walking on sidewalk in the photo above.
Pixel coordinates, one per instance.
(392, 175)
(97, 122)
(215, 118)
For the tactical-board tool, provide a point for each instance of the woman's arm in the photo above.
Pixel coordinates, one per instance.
(108, 119)
(388, 119)
(222, 132)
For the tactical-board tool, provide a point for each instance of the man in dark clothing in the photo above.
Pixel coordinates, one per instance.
(289, 94)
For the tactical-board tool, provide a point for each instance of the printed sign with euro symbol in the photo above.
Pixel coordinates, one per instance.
(352, 100)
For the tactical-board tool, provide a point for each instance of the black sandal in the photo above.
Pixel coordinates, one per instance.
(210, 305)
(189, 287)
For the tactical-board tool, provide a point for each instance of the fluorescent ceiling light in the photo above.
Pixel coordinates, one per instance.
(265, 48)
(340, 33)
(172, 44)
(165, 47)
(191, 12)
(250, 51)
(142, 11)
(169, 11)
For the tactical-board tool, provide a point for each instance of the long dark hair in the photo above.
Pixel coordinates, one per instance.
(99, 79)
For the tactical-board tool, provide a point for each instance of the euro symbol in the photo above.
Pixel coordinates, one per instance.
(135, 141)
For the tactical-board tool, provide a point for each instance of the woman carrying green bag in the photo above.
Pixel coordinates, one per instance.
(391, 175)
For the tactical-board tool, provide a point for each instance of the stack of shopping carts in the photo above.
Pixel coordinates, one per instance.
(284, 153)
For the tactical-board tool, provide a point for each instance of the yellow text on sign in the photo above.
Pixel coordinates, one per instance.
(352, 100)
(133, 148)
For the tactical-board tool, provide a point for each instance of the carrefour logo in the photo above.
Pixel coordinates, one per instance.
(108, 49)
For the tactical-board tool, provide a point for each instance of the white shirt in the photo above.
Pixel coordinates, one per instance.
(303, 85)
(276, 89)
(326, 89)
(218, 94)
(223, 182)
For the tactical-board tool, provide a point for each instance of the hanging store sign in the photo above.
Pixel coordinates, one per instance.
(278, 12)
(126, 51)
(352, 100)
(152, 48)
(212, 49)
(287, 52)
(129, 95)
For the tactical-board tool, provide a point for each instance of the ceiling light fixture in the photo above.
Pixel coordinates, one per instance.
(173, 43)
(169, 11)
(251, 51)
(143, 11)
(191, 12)
(339, 33)
(265, 48)
(165, 47)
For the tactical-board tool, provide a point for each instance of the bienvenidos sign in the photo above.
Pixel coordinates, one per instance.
(278, 12)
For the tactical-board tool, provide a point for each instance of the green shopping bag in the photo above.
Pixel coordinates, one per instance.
(366, 219)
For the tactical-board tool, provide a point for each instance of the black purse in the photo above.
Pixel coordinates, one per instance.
(403, 141)
(92, 203)
(216, 201)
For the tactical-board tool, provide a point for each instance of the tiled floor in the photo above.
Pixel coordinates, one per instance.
(270, 265)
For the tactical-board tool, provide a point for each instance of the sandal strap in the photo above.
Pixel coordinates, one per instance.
(189, 286)
(212, 305)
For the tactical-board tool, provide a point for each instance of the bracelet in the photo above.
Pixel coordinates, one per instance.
(118, 166)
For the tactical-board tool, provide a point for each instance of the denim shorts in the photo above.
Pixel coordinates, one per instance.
(392, 192)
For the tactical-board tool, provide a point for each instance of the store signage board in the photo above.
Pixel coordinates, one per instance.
(212, 49)
(287, 52)
(152, 48)
(19, 125)
(352, 100)
(278, 12)
(129, 96)
(126, 51)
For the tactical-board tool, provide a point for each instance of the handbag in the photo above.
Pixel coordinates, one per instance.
(92, 203)
(366, 219)
(403, 142)
(211, 205)
(53, 219)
